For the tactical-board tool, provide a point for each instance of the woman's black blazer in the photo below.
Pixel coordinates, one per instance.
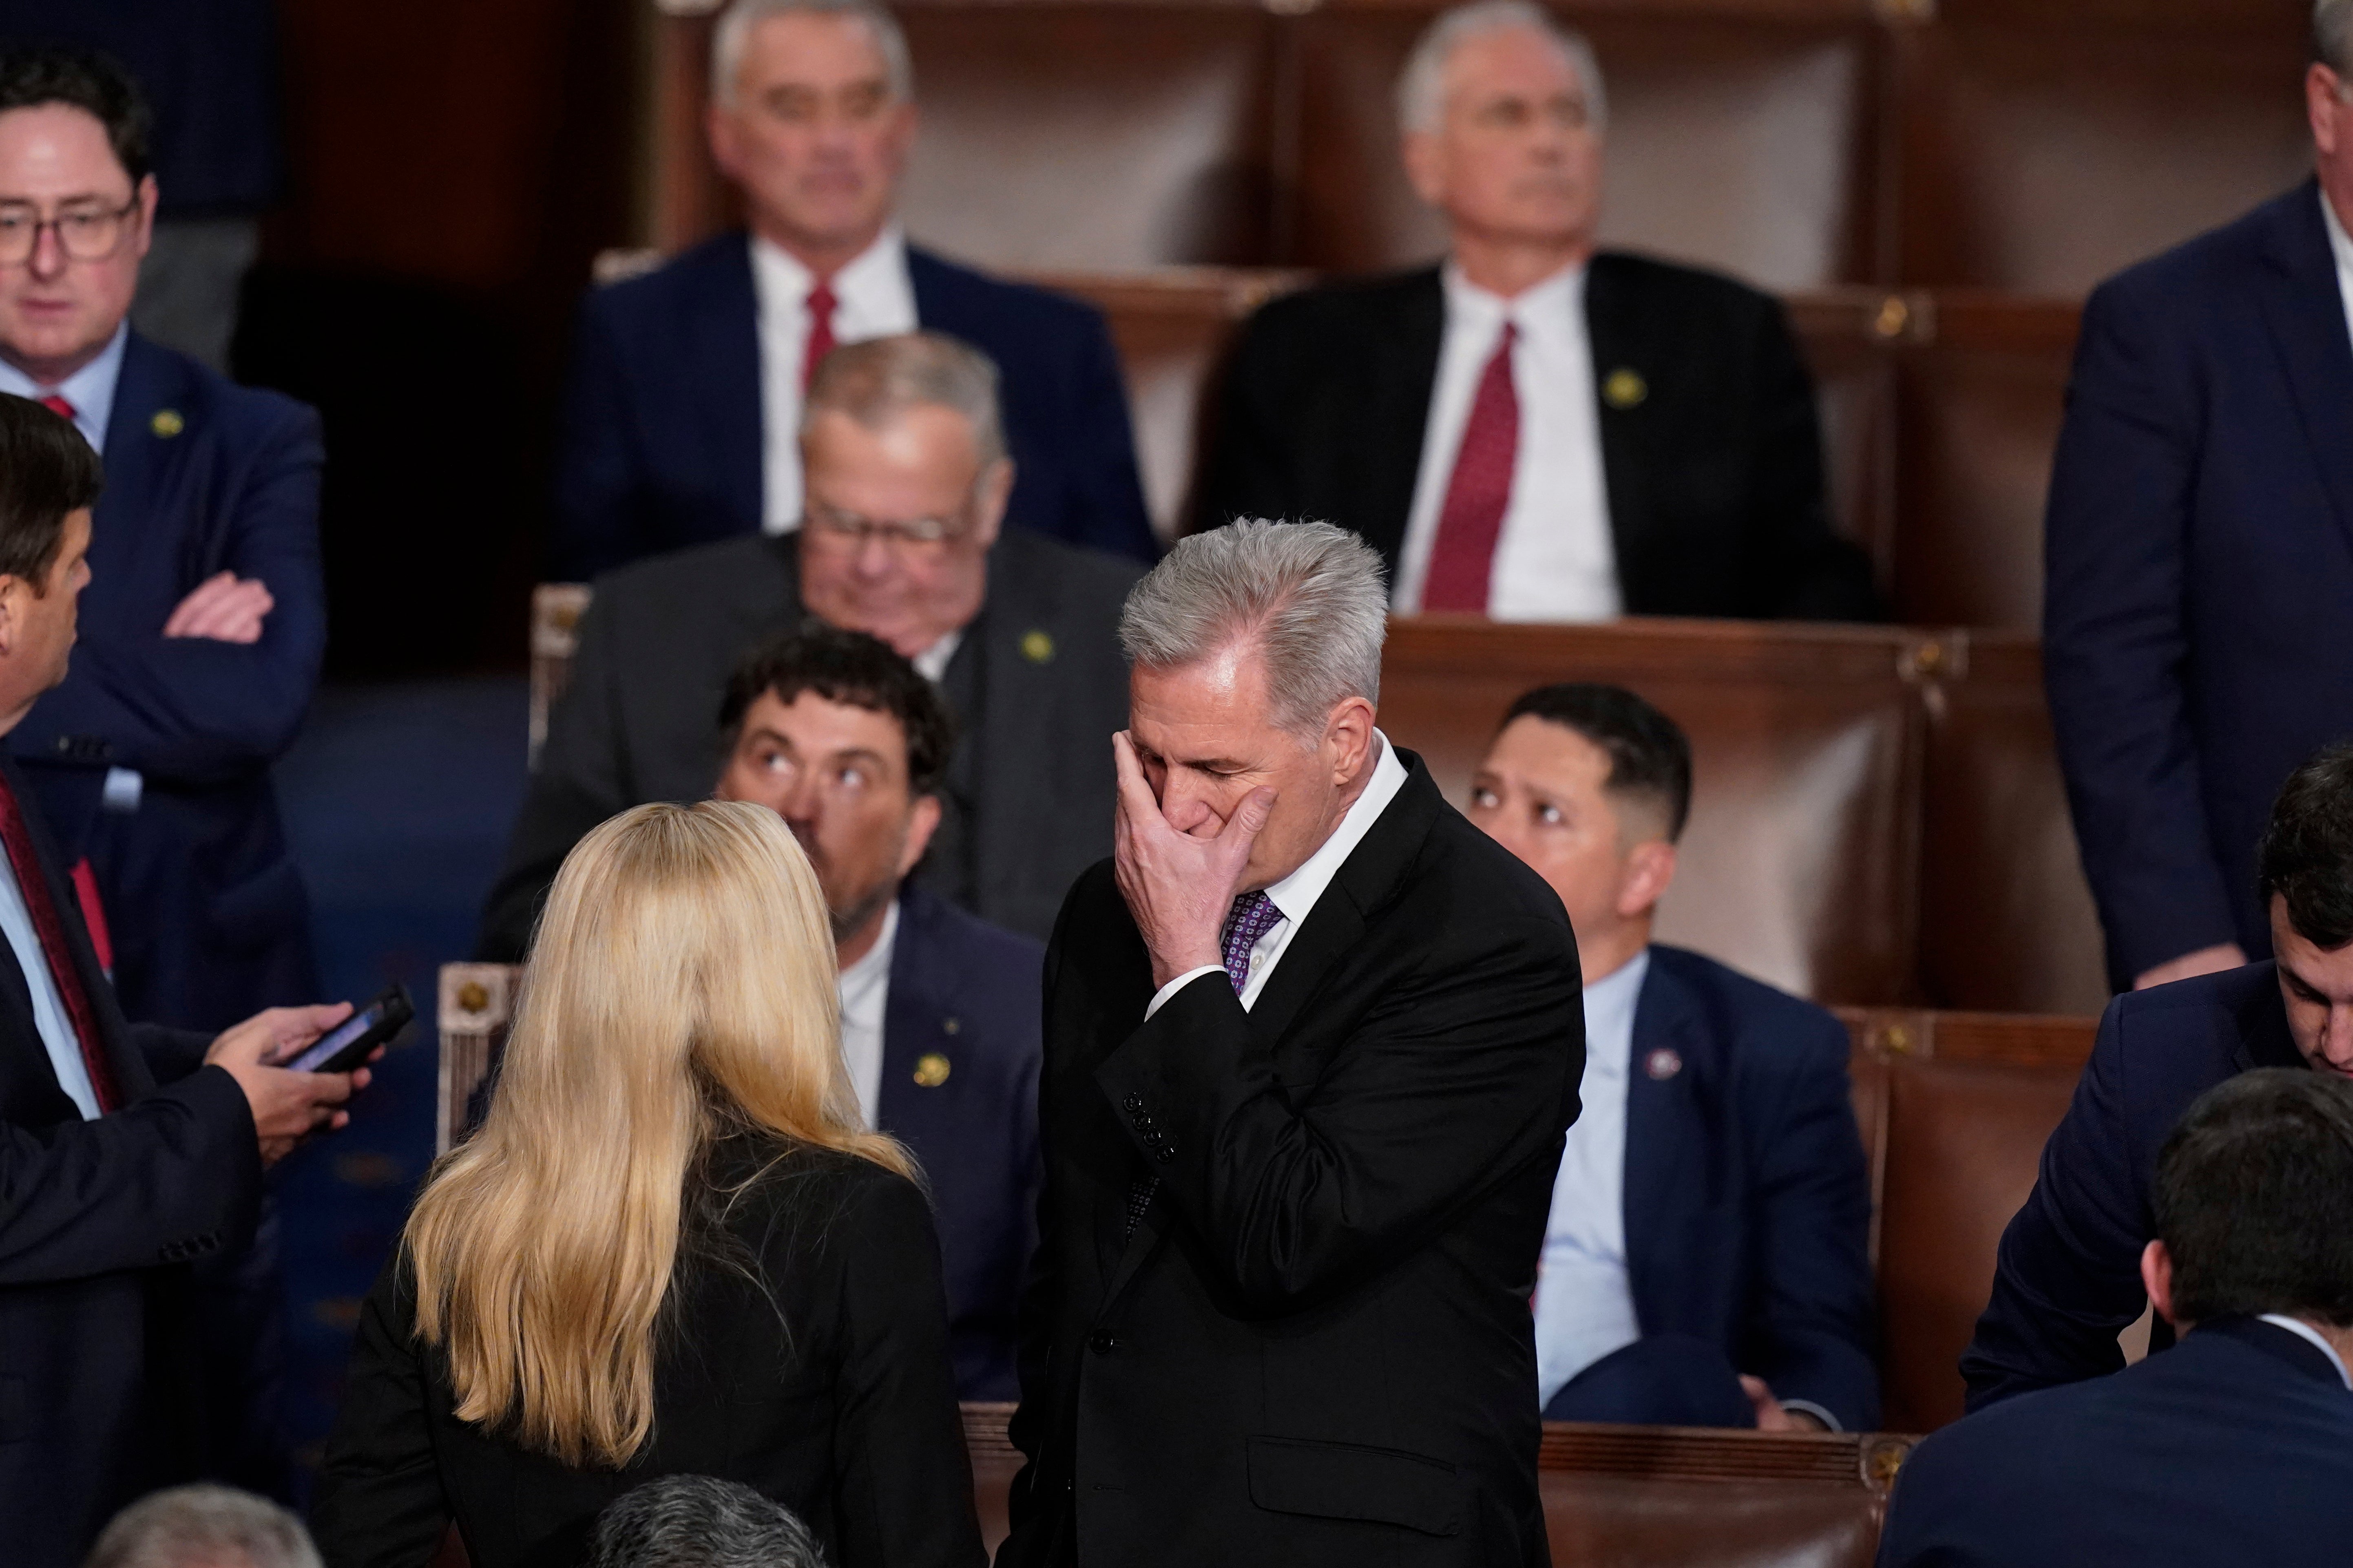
(804, 1353)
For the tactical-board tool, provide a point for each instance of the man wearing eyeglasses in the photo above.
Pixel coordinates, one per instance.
(907, 477)
(201, 635)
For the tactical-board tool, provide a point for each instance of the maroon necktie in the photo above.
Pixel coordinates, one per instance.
(56, 406)
(1463, 558)
(821, 304)
(34, 889)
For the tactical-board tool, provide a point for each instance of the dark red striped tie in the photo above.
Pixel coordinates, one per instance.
(46, 925)
(821, 304)
(1463, 559)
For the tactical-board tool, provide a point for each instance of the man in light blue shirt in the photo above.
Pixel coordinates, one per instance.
(1707, 1260)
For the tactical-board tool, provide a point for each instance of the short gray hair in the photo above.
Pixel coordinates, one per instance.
(1421, 85)
(701, 1521)
(204, 1527)
(1310, 595)
(876, 381)
(2332, 35)
(727, 39)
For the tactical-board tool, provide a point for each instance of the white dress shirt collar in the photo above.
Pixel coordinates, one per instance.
(2340, 245)
(2297, 1326)
(1541, 308)
(90, 389)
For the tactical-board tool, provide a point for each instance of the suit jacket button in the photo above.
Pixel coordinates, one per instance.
(1103, 1344)
(1132, 1104)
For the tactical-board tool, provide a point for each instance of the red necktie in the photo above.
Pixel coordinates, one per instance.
(1463, 558)
(34, 889)
(820, 331)
(56, 406)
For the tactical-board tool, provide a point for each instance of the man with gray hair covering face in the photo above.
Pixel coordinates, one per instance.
(701, 1521)
(1312, 1044)
(687, 383)
(204, 1527)
(1680, 470)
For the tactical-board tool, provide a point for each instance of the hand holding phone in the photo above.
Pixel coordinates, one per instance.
(349, 1043)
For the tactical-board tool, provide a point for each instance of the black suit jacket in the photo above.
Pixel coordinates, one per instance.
(1715, 475)
(2067, 1278)
(2234, 1446)
(662, 433)
(98, 1392)
(820, 1379)
(1316, 1347)
(966, 992)
(1038, 685)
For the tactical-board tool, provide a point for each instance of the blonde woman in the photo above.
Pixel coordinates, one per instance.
(670, 1248)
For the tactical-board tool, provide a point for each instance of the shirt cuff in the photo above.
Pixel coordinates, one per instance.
(1809, 1407)
(1161, 997)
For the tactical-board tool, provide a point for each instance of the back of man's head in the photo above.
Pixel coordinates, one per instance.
(2307, 857)
(2254, 1199)
(204, 1527)
(47, 472)
(83, 80)
(701, 1521)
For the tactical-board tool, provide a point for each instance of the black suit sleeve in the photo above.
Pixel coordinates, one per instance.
(1245, 470)
(1456, 1080)
(174, 1175)
(379, 1502)
(904, 1487)
(598, 483)
(1817, 574)
(581, 780)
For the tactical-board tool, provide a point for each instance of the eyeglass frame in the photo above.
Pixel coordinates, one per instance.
(852, 530)
(56, 225)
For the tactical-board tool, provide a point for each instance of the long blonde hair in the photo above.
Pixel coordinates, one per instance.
(681, 986)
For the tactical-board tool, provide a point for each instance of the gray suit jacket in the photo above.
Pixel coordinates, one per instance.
(1037, 686)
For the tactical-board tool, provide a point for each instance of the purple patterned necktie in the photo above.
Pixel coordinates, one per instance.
(1252, 916)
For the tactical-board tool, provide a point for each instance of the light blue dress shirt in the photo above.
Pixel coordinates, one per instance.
(90, 389)
(49, 1016)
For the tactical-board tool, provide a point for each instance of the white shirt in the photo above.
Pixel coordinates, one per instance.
(2296, 1325)
(1585, 1300)
(865, 999)
(90, 389)
(2340, 245)
(931, 664)
(1554, 559)
(50, 1020)
(1296, 895)
(873, 297)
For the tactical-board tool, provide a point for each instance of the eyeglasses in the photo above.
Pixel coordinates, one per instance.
(85, 234)
(844, 531)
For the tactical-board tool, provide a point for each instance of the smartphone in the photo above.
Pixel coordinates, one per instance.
(347, 1044)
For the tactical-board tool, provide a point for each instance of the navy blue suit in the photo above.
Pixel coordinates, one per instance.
(2200, 560)
(209, 915)
(103, 1366)
(661, 445)
(1747, 1209)
(970, 992)
(2234, 1446)
(2068, 1277)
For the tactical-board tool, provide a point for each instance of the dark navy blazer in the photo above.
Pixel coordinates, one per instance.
(968, 992)
(1747, 1196)
(209, 915)
(2068, 1277)
(2233, 1446)
(2200, 559)
(661, 445)
(102, 1359)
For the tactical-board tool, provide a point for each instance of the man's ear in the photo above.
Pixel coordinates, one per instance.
(1424, 166)
(1650, 868)
(719, 125)
(2157, 1274)
(1348, 736)
(989, 494)
(14, 592)
(922, 823)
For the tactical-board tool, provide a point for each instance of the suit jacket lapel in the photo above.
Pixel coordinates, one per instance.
(1018, 685)
(1666, 1138)
(1396, 414)
(1613, 333)
(140, 465)
(2306, 311)
(725, 328)
(911, 1013)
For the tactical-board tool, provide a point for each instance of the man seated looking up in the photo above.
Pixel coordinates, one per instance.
(848, 743)
(2236, 1445)
(1707, 1261)
(2068, 1280)
(907, 480)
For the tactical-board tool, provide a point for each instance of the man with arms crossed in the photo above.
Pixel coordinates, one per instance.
(1708, 1259)
(2068, 1277)
(111, 1184)
(1312, 1041)
(848, 743)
